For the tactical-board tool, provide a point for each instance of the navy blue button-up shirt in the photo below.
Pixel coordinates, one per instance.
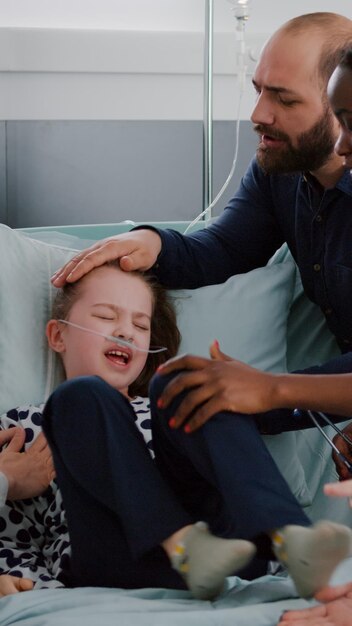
(266, 211)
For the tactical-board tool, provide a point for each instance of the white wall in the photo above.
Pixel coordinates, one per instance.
(184, 15)
(128, 59)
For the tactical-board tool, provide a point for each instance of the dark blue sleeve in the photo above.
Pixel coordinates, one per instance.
(244, 237)
(338, 365)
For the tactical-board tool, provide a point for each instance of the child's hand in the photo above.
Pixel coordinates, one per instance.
(13, 584)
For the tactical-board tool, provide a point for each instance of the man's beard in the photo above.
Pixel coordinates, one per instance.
(314, 147)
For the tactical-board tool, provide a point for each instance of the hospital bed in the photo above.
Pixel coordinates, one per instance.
(261, 317)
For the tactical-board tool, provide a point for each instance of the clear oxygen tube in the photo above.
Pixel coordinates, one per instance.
(118, 340)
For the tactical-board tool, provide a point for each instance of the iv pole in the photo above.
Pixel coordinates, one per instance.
(241, 14)
(208, 109)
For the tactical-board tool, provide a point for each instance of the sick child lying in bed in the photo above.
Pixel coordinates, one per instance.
(125, 527)
(34, 540)
(122, 524)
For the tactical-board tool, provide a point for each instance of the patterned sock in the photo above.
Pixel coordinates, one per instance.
(204, 560)
(311, 554)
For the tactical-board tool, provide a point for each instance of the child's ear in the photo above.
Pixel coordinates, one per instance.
(54, 336)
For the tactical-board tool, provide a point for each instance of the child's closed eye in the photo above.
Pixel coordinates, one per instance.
(105, 317)
(141, 326)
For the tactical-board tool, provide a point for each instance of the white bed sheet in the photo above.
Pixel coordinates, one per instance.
(256, 603)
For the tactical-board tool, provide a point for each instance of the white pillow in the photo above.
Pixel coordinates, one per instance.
(29, 370)
(247, 314)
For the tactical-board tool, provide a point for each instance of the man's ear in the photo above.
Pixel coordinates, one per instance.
(54, 336)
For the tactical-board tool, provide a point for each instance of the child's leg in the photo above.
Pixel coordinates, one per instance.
(119, 509)
(205, 560)
(229, 453)
(312, 554)
(113, 495)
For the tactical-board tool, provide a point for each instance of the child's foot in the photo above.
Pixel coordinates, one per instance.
(311, 554)
(205, 560)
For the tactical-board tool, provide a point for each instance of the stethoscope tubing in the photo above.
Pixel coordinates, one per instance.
(341, 456)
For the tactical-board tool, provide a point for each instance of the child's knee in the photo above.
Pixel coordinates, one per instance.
(76, 394)
(157, 386)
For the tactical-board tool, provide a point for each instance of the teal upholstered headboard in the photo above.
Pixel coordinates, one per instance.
(99, 231)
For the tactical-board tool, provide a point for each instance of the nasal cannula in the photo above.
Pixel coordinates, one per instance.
(118, 340)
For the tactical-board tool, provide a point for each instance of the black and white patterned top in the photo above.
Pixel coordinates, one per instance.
(34, 540)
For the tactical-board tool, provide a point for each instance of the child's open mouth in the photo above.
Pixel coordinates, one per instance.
(121, 357)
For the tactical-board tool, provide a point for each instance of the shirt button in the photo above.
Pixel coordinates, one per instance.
(316, 267)
(318, 218)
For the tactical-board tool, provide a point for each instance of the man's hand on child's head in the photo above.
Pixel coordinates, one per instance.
(28, 473)
(136, 250)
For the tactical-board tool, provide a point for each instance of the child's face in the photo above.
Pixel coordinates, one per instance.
(115, 303)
